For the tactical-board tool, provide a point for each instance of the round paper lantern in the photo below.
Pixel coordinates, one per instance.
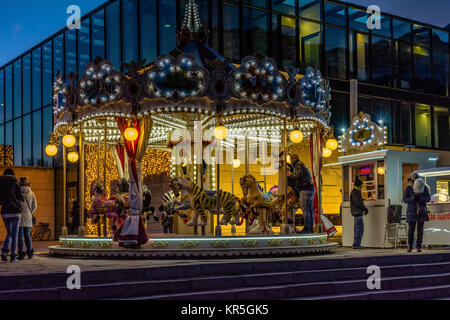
(236, 163)
(327, 153)
(72, 157)
(296, 136)
(220, 132)
(381, 171)
(51, 150)
(69, 141)
(131, 134)
(332, 144)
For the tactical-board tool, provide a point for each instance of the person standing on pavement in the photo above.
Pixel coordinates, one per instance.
(29, 206)
(420, 215)
(358, 210)
(10, 198)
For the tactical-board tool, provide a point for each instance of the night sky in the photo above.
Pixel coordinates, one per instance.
(25, 23)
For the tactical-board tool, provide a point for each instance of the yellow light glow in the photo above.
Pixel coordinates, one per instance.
(72, 157)
(332, 144)
(51, 150)
(296, 136)
(381, 171)
(69, 141)
(327, 153)
(443, 197)
(236, 163)
(288, 159)
(220, 132)
(131, 134)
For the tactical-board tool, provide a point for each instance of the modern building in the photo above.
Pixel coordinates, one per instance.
(402, 68)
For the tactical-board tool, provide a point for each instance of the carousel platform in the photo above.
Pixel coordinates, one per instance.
(196, 246)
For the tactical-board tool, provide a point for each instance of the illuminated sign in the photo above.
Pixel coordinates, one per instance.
(364, 171)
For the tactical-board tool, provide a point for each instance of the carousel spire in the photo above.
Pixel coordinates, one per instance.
(191, 17)
(191, 29)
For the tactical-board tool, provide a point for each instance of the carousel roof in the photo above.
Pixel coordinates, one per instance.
(192, 82)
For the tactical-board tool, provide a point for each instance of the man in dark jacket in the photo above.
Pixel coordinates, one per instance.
(301, 181)
(358, 210)
(10, 197)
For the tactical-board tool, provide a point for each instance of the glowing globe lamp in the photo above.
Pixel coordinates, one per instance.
(327, 153)
(332, 144)
(296, 136)
(51, 150)
(131, 134)
(72, 157)
(69, 141)
(381, 171)
(220, 132)
(236, 163)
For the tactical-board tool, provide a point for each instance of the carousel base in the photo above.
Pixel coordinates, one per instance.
(196, 247)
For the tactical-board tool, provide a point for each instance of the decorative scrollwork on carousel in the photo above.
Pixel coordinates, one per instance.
(316, 91)
(59, 95)
(100, 84)
(176, 79)
(258, 80)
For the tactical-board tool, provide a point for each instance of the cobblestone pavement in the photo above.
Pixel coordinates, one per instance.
(43, 263)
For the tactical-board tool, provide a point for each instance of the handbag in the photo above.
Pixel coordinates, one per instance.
(33, 219)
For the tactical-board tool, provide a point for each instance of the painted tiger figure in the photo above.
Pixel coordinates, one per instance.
(202, 200)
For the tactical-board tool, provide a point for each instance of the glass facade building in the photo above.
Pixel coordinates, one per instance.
(402, 68)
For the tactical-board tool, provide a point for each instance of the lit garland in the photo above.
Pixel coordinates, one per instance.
(6, 156)
(59, 98)
(316, 90)
(156, 162)
(191, 17)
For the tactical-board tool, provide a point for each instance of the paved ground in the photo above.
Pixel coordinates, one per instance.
(43, 263)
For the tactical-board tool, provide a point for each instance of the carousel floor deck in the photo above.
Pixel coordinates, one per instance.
(191, 246)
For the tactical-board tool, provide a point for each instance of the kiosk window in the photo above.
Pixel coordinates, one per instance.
(365, 173)
(381, 171)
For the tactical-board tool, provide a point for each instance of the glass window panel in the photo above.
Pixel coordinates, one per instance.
(421, 36)
(256, 3)
(440, 41)
(255, 31)
(149, 46)
(58, 55)
(310, 43)
(48, 128)
(98, 34)
(381, 61)
(17, 89)
(215, 26)
(2, 97)
(26, 84)
(285, 6)
(9, 134)
(335, 14)
(357, 19)
(310, 9)
(37, 139)
(385, 29)
(422, 68)
(441, 127)
(359, 56)
(36, 83)
(71, 52)
(130, 33)
(402, 30)
(231, 42)
(167, 27)
(18, 142)
(113, 50)
(341, 112)
(402, 124)
(2, 140)
(403, 52)
(382, 114)
(84, 47)
(423, 125)
(283, 40)
(441, 71)
(335, 49)
(8, 93)
(47, 79)
(27, 158)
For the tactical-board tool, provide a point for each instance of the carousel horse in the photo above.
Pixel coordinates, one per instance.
(170, 206)
(147, 211)
(112, 208)
(202, 200)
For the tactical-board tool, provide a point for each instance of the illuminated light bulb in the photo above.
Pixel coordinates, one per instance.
(72, 157)
(332, 144)
(51, 150)
(236, 163)
(296, 136)
(220, 132)
(381, 171)
(131, 134)
(69, 141)
(327, 153)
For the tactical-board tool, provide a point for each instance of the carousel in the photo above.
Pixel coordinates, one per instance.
(221, 135)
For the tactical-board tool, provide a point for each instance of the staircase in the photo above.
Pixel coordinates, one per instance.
(405, 276)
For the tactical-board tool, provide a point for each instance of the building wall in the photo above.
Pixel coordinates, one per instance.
(43, 184)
